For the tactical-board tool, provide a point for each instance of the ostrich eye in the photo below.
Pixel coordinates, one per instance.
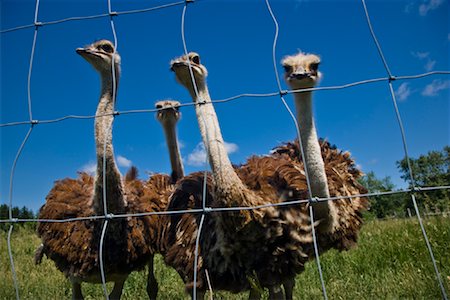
(287, 68)
(196, 59)
(107, 48)
(158, 106)
(314, 66)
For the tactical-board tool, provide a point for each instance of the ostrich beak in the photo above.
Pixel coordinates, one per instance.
(84, 52)
(176, 64)
(300, 75)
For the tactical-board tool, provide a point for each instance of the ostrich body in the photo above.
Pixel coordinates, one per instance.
(270, 245)
(332, 172)
(262, 245)
(128, 244)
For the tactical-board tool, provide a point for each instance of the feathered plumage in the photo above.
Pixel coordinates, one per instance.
(73, 246)
(269, 244)
(129, 242)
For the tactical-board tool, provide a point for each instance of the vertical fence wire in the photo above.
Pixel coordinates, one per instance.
(11, 261)
(198, 102)
(102, 268)
(110, 126)
(413, 198)
(19, 151)
(297, 128)
(11, 182)
(405, 149)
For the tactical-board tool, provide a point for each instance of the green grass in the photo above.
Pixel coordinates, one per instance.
(390, 262)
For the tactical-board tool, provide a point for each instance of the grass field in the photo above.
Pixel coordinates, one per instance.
(390, 262)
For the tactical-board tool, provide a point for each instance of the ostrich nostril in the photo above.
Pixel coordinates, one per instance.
(299, 75)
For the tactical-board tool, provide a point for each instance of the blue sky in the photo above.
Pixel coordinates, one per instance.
(234, 39)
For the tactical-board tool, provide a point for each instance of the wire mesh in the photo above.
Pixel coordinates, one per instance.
(107, 216)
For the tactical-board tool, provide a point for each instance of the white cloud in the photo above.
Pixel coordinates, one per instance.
(429, 65)
(181, 144)
(231, 147)
(89, 168)
(123, 161)
(429, 5)
(403, 91)
(420, 55)
(197, 157)
(435, 87)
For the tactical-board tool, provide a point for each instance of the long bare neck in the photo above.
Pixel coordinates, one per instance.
(105, 153)
(313, 157)
(228, 184)
(174, 150)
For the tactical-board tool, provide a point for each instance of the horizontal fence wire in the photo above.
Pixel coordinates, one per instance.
(228, 209)
(105, 15)
(229, 99)
(205, 210)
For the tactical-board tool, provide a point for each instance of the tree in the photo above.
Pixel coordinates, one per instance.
(430, 170)
(384, 205)
(19, 213)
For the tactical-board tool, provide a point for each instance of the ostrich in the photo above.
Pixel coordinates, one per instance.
(168, 115)
(331, 171)
(74, 246)
(262, 245)
(270, 245)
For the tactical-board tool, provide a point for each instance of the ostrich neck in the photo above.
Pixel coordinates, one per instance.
(174, 150)
(313, 157)
(228, 184)
(105, 152)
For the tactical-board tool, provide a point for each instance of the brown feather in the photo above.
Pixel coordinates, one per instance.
(129, 242)
(282, 237)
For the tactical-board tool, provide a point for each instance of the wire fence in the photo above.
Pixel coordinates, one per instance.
(107, 216)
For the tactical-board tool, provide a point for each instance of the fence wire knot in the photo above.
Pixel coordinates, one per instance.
(283, 93)
(392, 78)
(416, 189)
(201, 101)
(113, 14)
(109, 216)
(34, 122)
(314, 200)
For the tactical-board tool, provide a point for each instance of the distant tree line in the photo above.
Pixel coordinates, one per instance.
(429, 170)
(18, 213)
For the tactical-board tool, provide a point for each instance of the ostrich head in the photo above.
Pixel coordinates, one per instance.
(168, 111)
(181, 65)
(301, 70)
(100, 55)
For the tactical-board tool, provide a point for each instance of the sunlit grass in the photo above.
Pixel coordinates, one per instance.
(390, 262)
